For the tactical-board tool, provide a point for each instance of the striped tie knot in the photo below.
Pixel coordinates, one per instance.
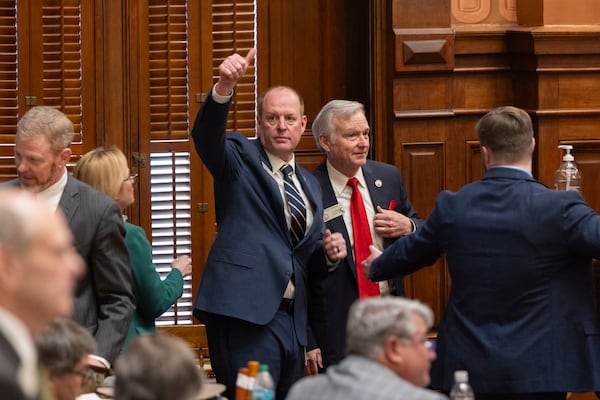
(296, 206)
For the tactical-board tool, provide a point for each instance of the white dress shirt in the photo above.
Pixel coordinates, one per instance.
(343, 193)
(52, 194)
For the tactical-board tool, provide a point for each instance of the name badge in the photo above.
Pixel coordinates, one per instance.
(332, 212)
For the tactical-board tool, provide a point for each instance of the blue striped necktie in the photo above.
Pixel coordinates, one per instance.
(296, 205)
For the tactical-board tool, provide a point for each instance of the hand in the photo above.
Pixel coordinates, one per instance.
(313, 362)
(334, 246)
(231, 70)
(391, 224)
(366, 264)
(183, 264)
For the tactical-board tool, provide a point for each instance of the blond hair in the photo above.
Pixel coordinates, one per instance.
(104, 169)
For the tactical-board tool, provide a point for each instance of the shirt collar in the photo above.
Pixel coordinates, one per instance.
(339, 181)
(277, 163)
(55, 191)
(513, 167)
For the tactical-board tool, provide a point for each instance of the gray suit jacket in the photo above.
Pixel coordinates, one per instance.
(104, 300)
(359, 378)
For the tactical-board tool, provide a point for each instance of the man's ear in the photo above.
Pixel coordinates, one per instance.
(65, 155)
(392, 350)
(485, 156)
(9, 279)
(324, 142)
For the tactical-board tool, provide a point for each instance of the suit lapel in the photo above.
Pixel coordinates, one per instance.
(69, 200)
(275, 195)
(376, 186)
(309, 190)
(336, 224)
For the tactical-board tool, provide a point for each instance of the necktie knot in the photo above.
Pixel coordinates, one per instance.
(353, 183)
(287, 170)
(295, 205)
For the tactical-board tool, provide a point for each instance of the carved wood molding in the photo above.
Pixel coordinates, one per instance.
(424, 49)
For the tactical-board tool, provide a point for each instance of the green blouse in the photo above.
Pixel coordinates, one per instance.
(153, 295)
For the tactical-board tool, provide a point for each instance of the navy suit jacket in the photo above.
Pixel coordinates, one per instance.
(521, 315)
(335, 291)
(252, 258)
(104, 300)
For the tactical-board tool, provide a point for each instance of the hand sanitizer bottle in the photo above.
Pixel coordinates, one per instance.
(567, 176)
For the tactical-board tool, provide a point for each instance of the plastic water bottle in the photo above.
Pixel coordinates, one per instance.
(461, 389)
(567, 176)
(263, 384)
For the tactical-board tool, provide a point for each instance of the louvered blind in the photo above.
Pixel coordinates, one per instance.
(171, 223)
(169, 94)
(8, 87)
(41, 64)
(8, 72)
(234, 32)
(169, 123)
(61, 49)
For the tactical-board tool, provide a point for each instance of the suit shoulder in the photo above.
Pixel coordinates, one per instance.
(320, 171)
(382, 167)
(89, 196)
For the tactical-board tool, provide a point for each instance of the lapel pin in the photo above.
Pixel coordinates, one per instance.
(378, 183)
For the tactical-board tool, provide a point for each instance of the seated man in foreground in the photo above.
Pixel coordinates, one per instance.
(388, 355)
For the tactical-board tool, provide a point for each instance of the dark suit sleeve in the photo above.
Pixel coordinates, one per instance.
(409, 253)
(109, 264)
(210, 133)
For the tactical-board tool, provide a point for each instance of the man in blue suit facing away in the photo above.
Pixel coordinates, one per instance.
(521, 316)
(253, 293)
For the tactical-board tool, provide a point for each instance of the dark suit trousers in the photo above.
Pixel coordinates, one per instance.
(233, 342)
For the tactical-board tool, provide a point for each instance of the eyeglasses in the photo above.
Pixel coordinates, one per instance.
(425, 342)
(86, 374)
(131, 178)
(428, 344)
(91, 377)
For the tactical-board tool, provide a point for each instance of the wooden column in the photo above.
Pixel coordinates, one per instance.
(556, 67)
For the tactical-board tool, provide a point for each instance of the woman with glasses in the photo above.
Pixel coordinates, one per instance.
(107, 171)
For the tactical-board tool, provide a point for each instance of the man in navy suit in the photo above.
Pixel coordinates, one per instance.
(253, 292)
(342, 132)
(521, 317)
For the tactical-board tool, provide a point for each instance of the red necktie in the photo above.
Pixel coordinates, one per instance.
(362, 240)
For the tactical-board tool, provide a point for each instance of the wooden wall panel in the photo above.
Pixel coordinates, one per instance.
(302, 48)
(475, 169)
(588, 160)
(436, 99)
(426, 159)
(479, 91)
(422, 94)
